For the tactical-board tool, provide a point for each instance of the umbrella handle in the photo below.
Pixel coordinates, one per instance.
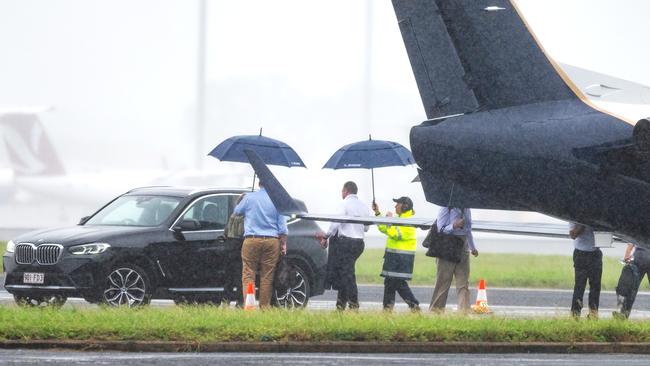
(253, 186)
(372, 173)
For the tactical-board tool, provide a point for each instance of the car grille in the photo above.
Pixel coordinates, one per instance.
(24, 253)
(27, 253)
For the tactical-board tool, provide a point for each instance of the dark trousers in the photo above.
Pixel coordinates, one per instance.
(348, 251)
(588, 266)
(402, 287)
(630, 280)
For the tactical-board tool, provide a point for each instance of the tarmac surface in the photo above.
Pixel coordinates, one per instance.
(510, 302)
(29, 357)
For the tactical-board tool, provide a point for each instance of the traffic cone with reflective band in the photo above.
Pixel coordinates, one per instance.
(481, 306)
(249, 304)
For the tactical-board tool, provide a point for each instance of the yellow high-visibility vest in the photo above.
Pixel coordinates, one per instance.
(400, 237)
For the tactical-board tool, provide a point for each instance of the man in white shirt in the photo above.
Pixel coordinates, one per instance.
(345, 246)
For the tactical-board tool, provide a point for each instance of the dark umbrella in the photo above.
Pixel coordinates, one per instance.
(370, 154)
(272, 152)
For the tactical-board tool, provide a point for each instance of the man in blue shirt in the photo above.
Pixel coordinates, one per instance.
(265, 231)
(587, 265)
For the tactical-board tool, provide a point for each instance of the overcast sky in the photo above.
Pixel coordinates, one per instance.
(122, 77)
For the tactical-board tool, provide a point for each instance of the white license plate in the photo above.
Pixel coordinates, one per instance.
(33, 277)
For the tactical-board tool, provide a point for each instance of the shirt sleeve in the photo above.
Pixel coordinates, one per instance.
(392, 231)
(468, 227)
(282, 225)
(240, 209)
(444, 221)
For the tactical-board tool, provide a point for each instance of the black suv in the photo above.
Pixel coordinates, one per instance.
(155, 242)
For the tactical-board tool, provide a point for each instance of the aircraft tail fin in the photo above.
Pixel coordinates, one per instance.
(279, 196)
(470, 55)
(29, 148)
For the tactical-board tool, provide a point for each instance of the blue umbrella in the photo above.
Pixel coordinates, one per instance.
(272, 152)
(370, 154)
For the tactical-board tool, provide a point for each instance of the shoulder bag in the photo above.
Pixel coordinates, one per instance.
(445, 246)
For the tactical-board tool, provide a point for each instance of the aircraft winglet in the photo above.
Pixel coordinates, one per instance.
(279, 196)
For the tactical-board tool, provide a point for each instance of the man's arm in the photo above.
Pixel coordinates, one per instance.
(240, 209)
(628, 253)
(576, 230)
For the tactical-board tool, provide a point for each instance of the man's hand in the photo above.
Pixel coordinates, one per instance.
(323, 243)
(459, 224)
(389, 214)
(283, 243)
(475, 253)
(322, 239)
(375, 208)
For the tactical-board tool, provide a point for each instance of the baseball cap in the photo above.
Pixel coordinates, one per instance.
(405, 201)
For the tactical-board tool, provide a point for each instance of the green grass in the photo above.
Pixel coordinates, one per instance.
(498, 270)
(199, 324)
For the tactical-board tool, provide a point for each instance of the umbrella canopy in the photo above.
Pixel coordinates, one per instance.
(370, 154)
(272, 152)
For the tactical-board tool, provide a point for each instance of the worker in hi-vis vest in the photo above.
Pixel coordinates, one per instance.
(399, 256)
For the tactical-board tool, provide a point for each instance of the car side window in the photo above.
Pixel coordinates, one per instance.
(210, 212)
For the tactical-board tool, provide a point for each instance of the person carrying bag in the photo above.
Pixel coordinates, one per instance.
(456, 222)
(441, 245)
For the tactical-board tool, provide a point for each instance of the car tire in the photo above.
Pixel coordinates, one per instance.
(54, 301)
(126, 285)
(295, 297)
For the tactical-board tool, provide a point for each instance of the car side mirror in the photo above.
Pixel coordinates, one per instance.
(83, 220)
(185, 225)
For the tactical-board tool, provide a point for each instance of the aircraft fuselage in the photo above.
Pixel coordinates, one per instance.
(561, 158)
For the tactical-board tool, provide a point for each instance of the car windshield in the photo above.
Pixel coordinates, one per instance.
(136, 211)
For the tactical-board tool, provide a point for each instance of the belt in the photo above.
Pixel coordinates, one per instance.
(259, 237)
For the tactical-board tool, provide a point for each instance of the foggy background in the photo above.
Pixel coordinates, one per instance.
(126, 89)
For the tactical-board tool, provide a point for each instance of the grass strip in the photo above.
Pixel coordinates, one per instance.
(205, 324)
(499, 270)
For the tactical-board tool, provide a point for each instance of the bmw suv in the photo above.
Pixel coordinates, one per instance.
(154, 242)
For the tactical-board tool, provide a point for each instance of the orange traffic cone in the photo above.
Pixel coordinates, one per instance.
(249, 304)
(481, 306)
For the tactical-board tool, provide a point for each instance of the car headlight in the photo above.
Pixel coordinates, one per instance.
(93, 248)
(11, 246)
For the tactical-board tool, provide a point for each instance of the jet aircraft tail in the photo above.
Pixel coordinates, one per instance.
(30, 150)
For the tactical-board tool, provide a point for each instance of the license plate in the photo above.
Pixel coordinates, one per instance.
(32, 277)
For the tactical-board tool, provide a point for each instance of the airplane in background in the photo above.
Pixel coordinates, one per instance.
(507, 129)
(37, 191)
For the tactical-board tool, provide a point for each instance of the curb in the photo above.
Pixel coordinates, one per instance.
(336, 347)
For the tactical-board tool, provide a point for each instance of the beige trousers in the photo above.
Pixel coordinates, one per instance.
(260, 254)
(445, 272)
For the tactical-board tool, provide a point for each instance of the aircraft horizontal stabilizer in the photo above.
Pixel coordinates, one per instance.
(559, 231)
(422, 223)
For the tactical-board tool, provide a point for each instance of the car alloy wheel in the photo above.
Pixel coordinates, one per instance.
(127, 286)
(296, 296)
(40, 301)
